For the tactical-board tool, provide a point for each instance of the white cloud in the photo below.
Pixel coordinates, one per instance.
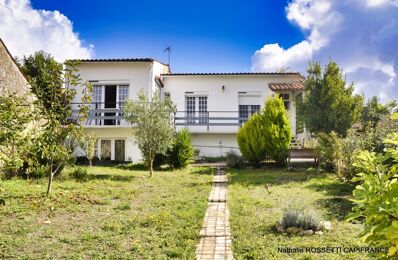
(26, 30)
(361, 36)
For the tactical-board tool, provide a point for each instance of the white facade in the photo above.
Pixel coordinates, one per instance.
(211, 106)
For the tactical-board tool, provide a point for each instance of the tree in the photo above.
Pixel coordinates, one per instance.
(266, 133)
(277, 130)
(375, 196)
(328, 104)
(251, 140)
(89, 143)
(181, 150)
(15, 116)
(51, 85)
(152, 122)
(373, 112)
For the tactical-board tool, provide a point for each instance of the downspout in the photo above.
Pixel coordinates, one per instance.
(150, 92)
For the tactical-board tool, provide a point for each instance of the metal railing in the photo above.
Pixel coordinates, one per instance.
(103, 114)
(208, 118)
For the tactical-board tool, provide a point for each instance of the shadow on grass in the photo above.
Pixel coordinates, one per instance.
(270, 175)
(337, 207)
(334, 188)
(112, 177)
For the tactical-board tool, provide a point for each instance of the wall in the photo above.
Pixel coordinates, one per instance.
(11, 78)
(211, 85)
(136, 74)
(132, 153)
(214, 145)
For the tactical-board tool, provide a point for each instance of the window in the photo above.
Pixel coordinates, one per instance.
(97, 96)
(299, 119)
(196, 107)
(123, 95)
(245, 111)
(202, 110)
(285, 98)
(190, 102)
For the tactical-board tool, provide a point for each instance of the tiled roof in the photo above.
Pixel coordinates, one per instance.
(119, 60)
(286, 86)
(230, 73)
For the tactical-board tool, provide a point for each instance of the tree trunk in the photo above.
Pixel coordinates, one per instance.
(90, 162)
(151, 167)
(50, 182)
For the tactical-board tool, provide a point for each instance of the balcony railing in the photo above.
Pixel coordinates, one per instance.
(100, 116)
(208, 118)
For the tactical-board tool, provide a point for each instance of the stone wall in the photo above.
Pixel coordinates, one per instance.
(11, 79)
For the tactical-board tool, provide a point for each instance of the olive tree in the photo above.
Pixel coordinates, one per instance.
(152, 121)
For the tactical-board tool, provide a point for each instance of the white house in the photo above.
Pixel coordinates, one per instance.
(211, 105)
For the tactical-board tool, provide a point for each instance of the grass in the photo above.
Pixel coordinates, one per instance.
(116, 214)
(254, 213)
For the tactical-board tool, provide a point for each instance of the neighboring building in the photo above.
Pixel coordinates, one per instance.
(12, 81)
(211, 105)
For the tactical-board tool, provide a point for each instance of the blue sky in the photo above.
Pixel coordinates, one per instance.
(217, 36)
(205, 35)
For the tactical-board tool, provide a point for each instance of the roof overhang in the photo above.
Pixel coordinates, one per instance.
(286, 86)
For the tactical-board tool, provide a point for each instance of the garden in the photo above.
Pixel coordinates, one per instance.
(77, 210)
(114, 213)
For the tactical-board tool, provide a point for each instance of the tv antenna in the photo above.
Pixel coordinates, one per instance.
(168, 50)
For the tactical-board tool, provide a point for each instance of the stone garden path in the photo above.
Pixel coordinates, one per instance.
(215, 242)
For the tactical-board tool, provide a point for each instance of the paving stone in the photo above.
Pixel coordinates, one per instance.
(216, 235)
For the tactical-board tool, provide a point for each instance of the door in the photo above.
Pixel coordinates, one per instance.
(119, 150)
(110, 102)
(106, 150)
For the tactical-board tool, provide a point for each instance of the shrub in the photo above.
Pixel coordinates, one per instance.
(181, 151)
(80, 174)
(38, 172)
(277, 130)
(376, 196)
(267, 133)
(309, 220)
(251, 141)
(296, 215)
(330, 151)
(234, 160)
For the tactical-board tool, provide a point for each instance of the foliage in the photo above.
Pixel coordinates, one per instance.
(296, 215)
(266, 133)
(181, 150)
(251, 141)
(152, 122)
(88, 143)
(254, 212)
(330, 151)
(309, 220)
(234, 160)
(15, 116)
(276, 129)
(328, 105)
(376, 196)
(58, 133)
(79, 173)
(373, 112)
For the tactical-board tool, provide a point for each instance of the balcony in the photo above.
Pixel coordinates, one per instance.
(195, 121)
(102, 115)
(209, 121)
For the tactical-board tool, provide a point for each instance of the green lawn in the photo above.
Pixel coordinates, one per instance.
(117, 214)
(254, 213)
